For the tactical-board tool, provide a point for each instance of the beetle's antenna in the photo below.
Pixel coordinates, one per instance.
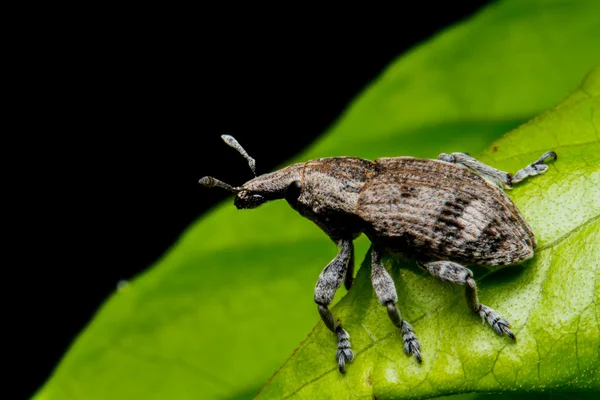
(230, 140)
(209, 181)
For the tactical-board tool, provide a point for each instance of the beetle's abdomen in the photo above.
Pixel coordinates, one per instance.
(443, 211)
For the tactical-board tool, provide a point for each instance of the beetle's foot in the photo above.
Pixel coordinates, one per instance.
(498, 324)
(530, 170)
(411, 344)
(546, 156)
(536, 168)
(344, 352)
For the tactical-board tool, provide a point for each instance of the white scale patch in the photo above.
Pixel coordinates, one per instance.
(473, 220)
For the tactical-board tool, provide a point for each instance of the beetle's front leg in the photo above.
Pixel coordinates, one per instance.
(384, 287)
(501, 178)
(329, 281)
(455, 273)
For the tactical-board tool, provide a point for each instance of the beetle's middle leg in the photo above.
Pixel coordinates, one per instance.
(455, 273)
(499, 177)
(384, 287)
(329, 281)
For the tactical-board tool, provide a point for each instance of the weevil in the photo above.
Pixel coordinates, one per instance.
(444, 213)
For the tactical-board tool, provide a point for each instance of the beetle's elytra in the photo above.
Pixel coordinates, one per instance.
(442, 213)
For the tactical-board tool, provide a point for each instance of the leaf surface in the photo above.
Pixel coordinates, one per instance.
(232, 299)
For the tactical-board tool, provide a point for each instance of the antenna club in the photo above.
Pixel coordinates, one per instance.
(207, 181)
(230, 140)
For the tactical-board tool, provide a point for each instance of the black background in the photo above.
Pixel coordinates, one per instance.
(125, 109)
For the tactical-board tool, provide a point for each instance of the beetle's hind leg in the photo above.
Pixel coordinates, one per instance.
(501, 178)
(455, 273)
(537, 167)
(384, 287)
(329, 281)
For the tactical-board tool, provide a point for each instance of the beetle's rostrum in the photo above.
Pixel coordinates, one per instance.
(443, 213)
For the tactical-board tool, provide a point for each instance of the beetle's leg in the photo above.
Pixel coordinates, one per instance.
(455, 273)
(501, 178)
(329, 281)
(349, 278)
(384, 287)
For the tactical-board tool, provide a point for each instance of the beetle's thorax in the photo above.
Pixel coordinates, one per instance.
(330, 190)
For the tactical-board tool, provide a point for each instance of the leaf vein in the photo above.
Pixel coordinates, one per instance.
(569, 234)
(534, 153)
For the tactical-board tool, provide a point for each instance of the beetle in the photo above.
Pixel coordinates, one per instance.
(444, 213)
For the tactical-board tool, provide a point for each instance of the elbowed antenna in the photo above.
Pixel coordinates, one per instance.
(209, 181)
(230, 140)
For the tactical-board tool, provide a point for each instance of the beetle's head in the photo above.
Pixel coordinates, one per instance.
(263, 188)
(267, 187)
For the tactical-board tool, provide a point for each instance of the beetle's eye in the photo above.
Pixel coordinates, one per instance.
(293, 192)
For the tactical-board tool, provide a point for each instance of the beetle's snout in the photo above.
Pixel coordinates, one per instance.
(247, 200)
(238, 202)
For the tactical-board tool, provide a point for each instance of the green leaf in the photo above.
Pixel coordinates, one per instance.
(525, 396)
(552, 300)
(232, 299)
